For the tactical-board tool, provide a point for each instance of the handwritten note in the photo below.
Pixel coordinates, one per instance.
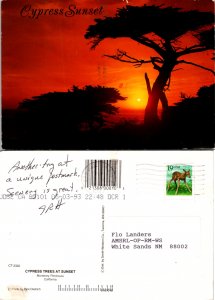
(49, 178)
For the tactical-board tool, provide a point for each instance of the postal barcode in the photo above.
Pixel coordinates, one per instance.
(103, 173)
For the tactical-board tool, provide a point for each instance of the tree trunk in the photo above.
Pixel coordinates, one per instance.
(157, 92)
(163, 97)
(164, 103)
(148, 85)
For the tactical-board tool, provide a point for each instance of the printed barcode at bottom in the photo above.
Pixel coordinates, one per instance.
(103, 173)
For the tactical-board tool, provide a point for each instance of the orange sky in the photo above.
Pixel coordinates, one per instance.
(51, 54)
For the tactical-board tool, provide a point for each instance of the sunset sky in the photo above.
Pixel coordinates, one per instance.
(51, 54)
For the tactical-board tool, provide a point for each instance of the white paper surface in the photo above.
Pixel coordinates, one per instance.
(128, 242)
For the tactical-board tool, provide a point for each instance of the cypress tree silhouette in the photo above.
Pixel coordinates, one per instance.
(162, 29)
(55, 117)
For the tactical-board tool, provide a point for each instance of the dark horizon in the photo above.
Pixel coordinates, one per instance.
(67, 126)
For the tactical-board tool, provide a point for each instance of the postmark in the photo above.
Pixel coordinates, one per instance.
(179, 180)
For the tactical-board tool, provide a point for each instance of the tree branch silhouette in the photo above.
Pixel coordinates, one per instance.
(196, 65)
(192, 49)
(149, 43)
(124, 57)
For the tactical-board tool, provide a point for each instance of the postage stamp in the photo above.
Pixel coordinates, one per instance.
(179, 180)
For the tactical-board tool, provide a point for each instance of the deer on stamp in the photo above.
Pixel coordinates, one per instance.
(177, 176)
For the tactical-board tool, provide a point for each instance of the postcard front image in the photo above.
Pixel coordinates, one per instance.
(107, 74)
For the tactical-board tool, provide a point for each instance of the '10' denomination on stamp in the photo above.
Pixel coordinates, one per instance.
(179, 180)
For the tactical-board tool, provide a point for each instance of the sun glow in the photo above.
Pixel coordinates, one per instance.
(134, 103)
(136, 99)
(137, 102)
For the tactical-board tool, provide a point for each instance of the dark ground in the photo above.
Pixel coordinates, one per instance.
(188, 125)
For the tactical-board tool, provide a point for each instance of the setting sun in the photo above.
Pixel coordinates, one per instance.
(137, 103)
(136, 99)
